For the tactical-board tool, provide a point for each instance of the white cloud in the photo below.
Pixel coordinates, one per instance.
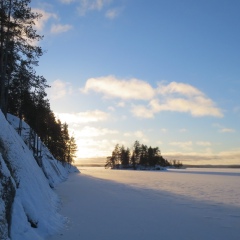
(227, 130)
(67, 1)
(184, 145)
(181, 97)
(221, 158)
(89, 132)
(110, 86)
(182, 130)
(91, 5)
(175, 97)
(142, 111)
(59, 28)
(203, 143)
(110, 108)
(179, 88)
(223, 129)
(41, 22)
(138, 135)
(83, 117)
(60, 89)
(88, 147)
(112, 13)
(121, 104)
(197, 107)
(192, 101)
(164, 130)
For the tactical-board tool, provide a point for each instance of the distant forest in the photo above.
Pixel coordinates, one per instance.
(22, 90)
(141, 157)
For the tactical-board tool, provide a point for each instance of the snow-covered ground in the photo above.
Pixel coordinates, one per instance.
(26, 187)
(196, 204)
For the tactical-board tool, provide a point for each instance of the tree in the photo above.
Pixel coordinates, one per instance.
(16, 43)
(142, 155)
(135, 159)
(72, 149)
(125, 156)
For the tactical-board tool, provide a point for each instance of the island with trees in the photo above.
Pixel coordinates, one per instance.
(139, 157)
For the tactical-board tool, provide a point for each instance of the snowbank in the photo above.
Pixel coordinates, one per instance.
(34, 208)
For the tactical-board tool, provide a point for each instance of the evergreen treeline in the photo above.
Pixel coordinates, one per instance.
(22, 91)
(141, 156)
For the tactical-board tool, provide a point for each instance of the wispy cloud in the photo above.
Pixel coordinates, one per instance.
(227, 130)
(67, 1)
(59, 28)
(110, 86)
(121, 104)
(91, 5)
(224, 157)
(89, 132)
(204, 143)
(112, 13)
(178, 88)
(164, 130)
(42, 24)
(184, 145)
(86, 6)
(142, 111)
(223, 129)
(46, 16)
(60, 89)
(137, 135)
(182, 130)
(83, 117)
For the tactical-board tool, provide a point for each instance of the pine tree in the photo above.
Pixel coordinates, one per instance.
(17, 36)
(72, 149)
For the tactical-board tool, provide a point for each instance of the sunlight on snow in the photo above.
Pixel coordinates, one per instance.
(220, 186)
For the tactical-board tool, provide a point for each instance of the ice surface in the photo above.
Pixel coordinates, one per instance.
(139, 205)
(216, 185)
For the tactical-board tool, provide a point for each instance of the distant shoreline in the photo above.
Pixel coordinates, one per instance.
(211, 166)
(185, 166)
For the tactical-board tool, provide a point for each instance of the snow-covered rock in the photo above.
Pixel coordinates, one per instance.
(34, 204)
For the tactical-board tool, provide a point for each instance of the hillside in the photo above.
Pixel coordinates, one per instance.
(28, 204)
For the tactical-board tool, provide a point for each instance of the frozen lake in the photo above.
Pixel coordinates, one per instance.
(219, 186)
(196, 204)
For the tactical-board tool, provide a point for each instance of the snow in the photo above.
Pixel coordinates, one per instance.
(53, 170)
(174, 204)
(35, 202)
(105, 204)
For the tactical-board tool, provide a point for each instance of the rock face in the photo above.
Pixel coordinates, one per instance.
(28, 205)
(7, 194)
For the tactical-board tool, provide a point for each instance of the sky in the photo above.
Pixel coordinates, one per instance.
(163, 72)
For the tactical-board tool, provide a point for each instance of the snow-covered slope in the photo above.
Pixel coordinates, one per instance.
(34, 204)
(53, 169)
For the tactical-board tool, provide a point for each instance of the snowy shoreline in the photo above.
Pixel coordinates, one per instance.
(28, 204)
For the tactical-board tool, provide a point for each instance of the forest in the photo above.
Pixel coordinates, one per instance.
(22, 90)
(139, 157)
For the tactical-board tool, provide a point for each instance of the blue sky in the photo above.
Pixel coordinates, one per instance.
(165, 73)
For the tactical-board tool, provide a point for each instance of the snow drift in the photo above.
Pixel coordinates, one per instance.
(28, 205)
